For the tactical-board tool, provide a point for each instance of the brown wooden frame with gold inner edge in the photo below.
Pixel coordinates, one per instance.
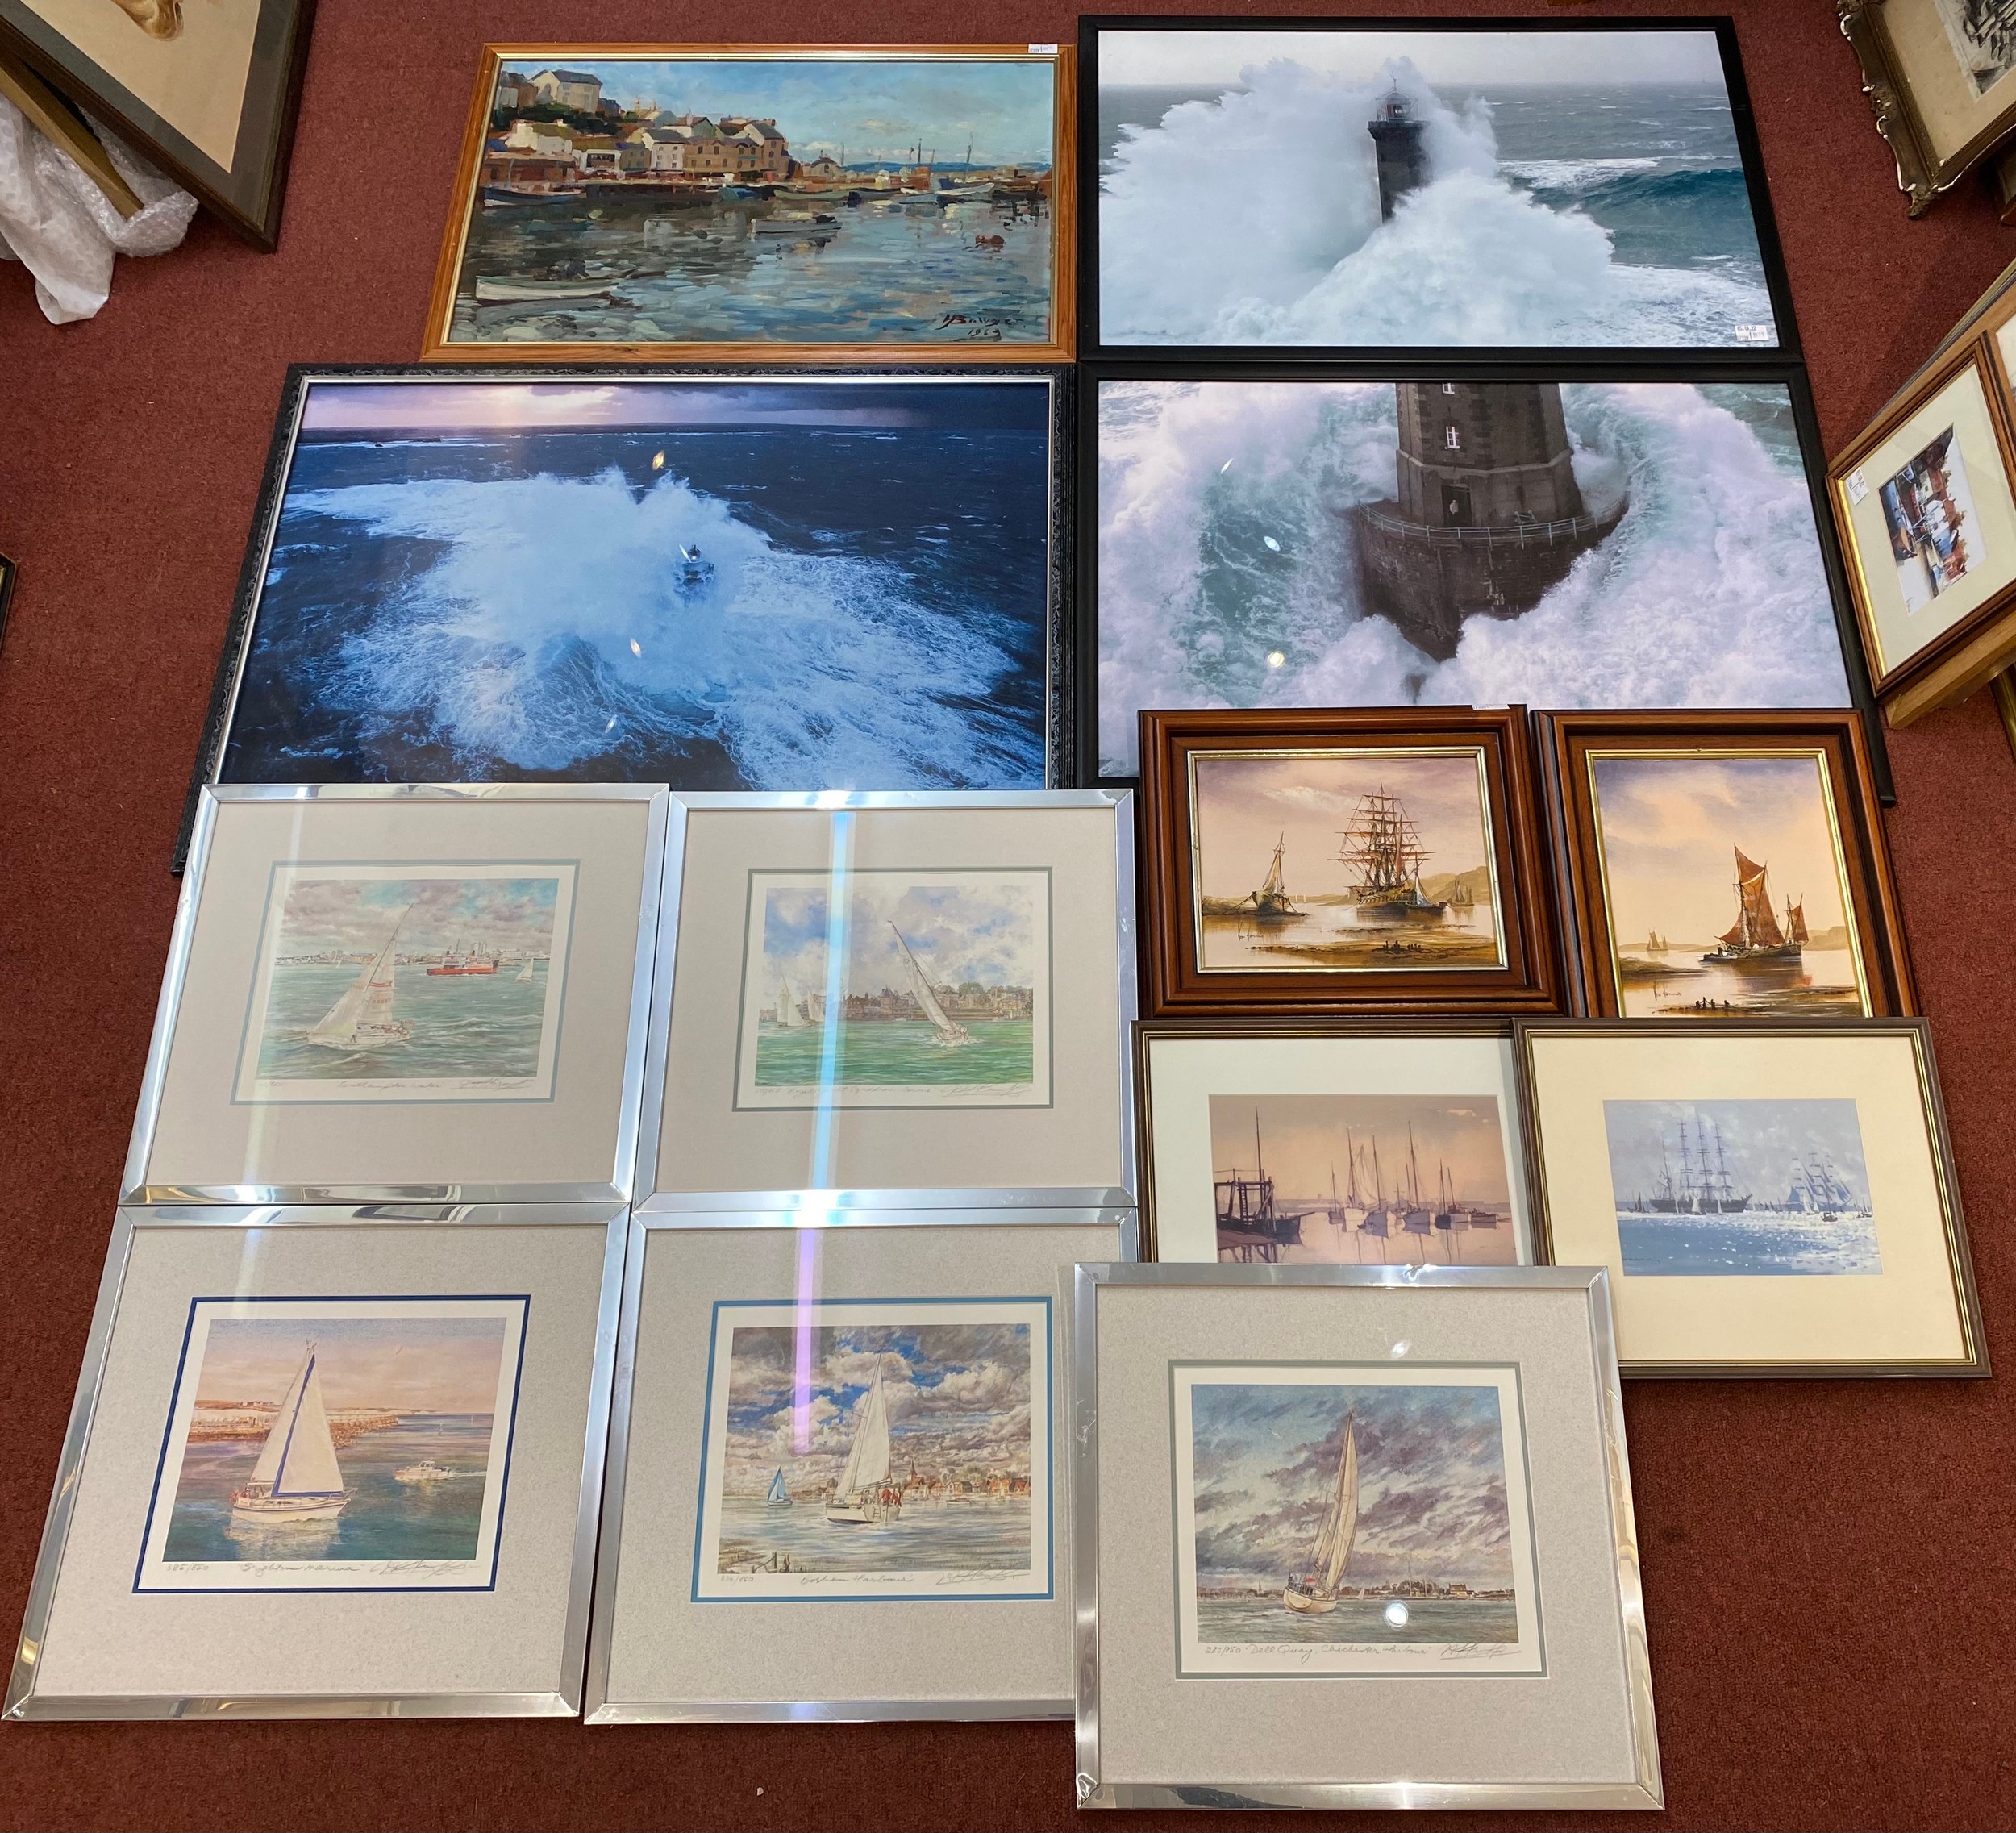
(1529, 979)
(1569, 743)
(1058, 347)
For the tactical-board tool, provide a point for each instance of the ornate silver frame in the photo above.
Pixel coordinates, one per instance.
(597, 1708)
(1645, 1791)
(562, 1700)
(133, 1189)
(816, 1204)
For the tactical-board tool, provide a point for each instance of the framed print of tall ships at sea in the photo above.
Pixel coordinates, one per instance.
(776, 202)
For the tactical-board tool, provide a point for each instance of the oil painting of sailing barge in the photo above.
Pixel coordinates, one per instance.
(869, 199)
(1344, 862)
(1726, 886)
(1352, 1520)
(1741, 1188)
(1361, 1180)
(409, 983)
(340, 1444)
(877, 1449)
(880, 987)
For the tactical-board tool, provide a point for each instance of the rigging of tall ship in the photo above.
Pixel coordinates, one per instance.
(1271, 902)
(1755, 938)
(1693, 1175)
(1314, 1593)
(1384, 844)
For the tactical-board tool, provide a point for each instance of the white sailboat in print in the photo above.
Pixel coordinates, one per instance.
(788, 1013)
(777, 1493)
(362, 1019)
(947, 1032)
(297, 1478)
(525, 973)
(1316, 1592)
(863, 1492)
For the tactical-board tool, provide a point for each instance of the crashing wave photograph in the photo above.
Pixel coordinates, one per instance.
(1349, 187)
(718, 583)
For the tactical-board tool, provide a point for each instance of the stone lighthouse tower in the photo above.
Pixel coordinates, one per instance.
(1397, 140)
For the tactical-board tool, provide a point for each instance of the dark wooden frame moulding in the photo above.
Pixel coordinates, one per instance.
(1567, 739)
(1455, 358)
(1437, 366)
(1529, 981)
(1974, 1362)
(1228, 1027)
(1061, 718)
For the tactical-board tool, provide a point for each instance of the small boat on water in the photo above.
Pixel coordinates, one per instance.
(1271, 902)
(778, 1495)
(520, 197)
(362, 1019)
(1315, 1594)
(296, 1478)
(525, 973)
(463, 960)
(863, 1496)
(427, 1471)
(1756, 941)
(945, 1029)
(799, 223)
(523, 292)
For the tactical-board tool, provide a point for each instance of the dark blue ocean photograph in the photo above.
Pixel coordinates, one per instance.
(717, 584)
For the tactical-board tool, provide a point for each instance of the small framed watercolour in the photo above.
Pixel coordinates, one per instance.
(830, 1439)
(1928, 521)
(1724, 864)
(331, 1462)
(1937, 73)
(1348, 1496)
(1327, 862)
(913, 203)
(380, 994)
(1296, 1142)
(1771, 1197)
(893, 1001)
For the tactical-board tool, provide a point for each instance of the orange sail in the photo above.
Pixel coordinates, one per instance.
(1796, 922)
(1755, 926)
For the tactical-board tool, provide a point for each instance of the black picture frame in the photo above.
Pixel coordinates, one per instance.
(9, 572)
(1093, 349)
(1062, 717)
(1440, 366)
(248, 194)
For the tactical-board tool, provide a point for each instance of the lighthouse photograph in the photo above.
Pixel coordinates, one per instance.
(1348, 186)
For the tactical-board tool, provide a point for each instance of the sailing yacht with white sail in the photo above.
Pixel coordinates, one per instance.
(863, 1494)
(1316, 1594)
(362, 1019)
(946, 1032)
(788, 1014)
(525, 973)
(297, 1478)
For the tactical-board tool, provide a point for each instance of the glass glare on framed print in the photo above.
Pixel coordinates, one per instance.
(836, 1439)
(470, 965)
(331, 1462)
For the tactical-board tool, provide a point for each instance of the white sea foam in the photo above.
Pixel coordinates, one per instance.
(1254, 218)
(1711, 593)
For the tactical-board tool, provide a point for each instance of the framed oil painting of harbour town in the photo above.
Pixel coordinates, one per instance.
(893, 1001)
(1434, 184)
(1367, 1496)
(731, 580)
(1300, 1142)
(1771, 1196)
(841, 1433)
(331, 1462)
(1310, 861)
(675, 202)
(1307, 538)
(1728, 864)
(463, 969)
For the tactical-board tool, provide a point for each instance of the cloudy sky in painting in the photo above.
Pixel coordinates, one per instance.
(1759, 1142)
(1430, 1474)
(991, 928)
(399, 1364)
(514, 916)
(958, 1398)
(1306, 1139)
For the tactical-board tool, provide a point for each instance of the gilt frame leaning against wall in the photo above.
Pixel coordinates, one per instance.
(992, 218)
(94, 1523)
(1524, 1357)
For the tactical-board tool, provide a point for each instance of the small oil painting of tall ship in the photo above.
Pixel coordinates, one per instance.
(1346, 1520)
(1740, 1188)
(1361, 1180)
(877, 1449)
(378, 984)
(1380, 860)
(1731, 869)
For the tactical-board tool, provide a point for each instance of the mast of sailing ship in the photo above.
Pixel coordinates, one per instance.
(947, 1032)
(363, 1015)
(1334, 1541)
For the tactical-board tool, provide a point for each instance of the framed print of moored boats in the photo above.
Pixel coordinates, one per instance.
(868, 202)
(1305, 537)
(894, 1001)
(1771, 1197)
(1432, 184)
(1377, 1494)
(331, 1462)
(1314, 861)
(1724, 864)
(1301, 1142)
(470, 965)
(834, 1438)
